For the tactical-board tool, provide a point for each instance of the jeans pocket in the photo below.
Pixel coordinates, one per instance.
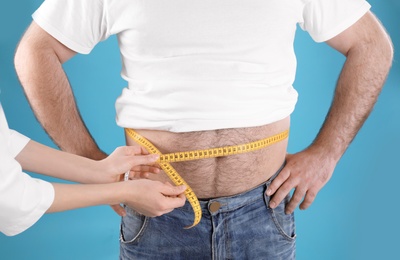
(283, 222)
(133, 226)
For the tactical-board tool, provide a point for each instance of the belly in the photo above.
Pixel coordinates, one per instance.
(223, 176)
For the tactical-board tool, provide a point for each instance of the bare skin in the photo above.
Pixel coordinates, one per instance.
(216, 177)
(369, 54)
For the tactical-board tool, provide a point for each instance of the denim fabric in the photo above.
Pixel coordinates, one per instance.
(244, 227)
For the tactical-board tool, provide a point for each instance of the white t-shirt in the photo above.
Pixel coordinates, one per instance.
(23, 199)
(200, 64)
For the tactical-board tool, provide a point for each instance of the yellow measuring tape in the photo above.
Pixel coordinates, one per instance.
(165, 160)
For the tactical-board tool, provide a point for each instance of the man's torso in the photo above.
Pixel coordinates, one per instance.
(217, 177)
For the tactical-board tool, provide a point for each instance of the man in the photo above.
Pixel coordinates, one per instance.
(205, 74)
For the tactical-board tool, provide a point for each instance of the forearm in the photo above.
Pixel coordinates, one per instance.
(39, 67)
(42, 159)
(72, 196)
(38, 158)
(151, 198)
(358, 87)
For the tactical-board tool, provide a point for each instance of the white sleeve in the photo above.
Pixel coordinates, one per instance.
(78, 24)
(324, 19)
(16, 142)
(23, 199)
(13, 140)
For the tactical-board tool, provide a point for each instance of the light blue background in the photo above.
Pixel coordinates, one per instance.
(356, 215)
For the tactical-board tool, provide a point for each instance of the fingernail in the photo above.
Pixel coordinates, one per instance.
(269, 191)
(272, 204)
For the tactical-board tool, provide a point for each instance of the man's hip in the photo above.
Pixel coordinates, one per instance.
(235, 227)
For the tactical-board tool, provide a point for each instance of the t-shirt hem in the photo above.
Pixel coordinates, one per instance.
(192, 125)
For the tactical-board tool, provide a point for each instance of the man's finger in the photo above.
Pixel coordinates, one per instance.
(282, 192)
(295, 200)
(277, 182)
(309, 199)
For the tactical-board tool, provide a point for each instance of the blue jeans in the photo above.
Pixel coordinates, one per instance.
(237, 227)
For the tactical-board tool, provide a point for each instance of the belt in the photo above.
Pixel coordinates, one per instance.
(165, 160)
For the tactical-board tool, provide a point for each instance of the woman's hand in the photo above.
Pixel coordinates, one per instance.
(153, 198)
(134, 159)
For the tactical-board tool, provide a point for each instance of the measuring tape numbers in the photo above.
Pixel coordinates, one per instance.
(165, 160)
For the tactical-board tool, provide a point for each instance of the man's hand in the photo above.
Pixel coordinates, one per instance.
(306, 172)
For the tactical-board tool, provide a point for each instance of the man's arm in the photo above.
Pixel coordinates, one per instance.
(369, 54)
(38, 63)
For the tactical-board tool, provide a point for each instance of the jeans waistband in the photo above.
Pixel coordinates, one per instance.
(238, 200)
